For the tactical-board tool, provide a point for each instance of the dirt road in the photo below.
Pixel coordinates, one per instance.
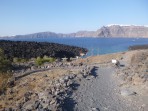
(100, 94)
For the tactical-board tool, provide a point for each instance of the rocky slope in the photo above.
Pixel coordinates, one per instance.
(46, 90)
(105, 31)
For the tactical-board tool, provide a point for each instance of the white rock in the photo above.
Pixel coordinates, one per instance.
(95, 109)
(127, 92)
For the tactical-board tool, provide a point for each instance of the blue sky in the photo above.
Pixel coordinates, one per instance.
(65, 16)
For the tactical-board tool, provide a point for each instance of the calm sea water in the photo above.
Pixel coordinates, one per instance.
(96, 46)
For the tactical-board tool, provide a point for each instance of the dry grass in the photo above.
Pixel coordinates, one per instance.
(138, 57)
(101, 58)
(36, 82)
(4, 77)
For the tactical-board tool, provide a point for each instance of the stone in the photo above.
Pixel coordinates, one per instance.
(72, 76)
(66, 78)
(19, 105)
(65, 85)
(138, 80)
(69, 83)
(27, 96)
(52, 101)
(122, 77)
(36, 104)
(28, 105)
(46, 109)
(45, 106)
(40, 106)
(95, 109)
(61, 80)
(11, 82)
(90, 77)
(127, 92)
(79, 76)
(45, 75)
(56, 92)
(129, 79)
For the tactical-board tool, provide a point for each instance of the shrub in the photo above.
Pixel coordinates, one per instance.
(19, 60)
(39, 61)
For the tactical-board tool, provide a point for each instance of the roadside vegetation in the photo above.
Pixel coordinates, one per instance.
(39, 61)
(19, 60)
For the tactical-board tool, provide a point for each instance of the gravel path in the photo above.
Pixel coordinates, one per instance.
(100, 94)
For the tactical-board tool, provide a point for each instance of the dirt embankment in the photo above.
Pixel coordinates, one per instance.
(136, 71)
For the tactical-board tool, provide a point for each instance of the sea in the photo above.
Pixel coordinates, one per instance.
(95, 46)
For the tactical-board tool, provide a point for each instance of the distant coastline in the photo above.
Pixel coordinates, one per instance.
(111, 31)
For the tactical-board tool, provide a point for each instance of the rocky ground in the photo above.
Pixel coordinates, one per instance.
(95, 85)
(121, 88)
(102, 94)
(133, 78)
(44, 90)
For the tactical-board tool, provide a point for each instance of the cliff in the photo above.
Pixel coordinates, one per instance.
(129, 31)
(123, 31)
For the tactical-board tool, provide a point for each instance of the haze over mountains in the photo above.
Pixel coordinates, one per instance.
(105, 31)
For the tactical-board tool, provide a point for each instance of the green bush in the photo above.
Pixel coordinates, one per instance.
(39, 61)
(19, 60)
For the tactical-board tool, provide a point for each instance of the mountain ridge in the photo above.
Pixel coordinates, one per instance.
(114, 31)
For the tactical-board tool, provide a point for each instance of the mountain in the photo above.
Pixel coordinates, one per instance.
(129, 31)
(123, 31)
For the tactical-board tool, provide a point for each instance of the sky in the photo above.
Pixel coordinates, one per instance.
(18, 17)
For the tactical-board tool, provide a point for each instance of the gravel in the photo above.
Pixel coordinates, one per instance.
(100, 94)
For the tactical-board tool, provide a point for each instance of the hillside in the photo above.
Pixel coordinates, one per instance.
(69, 86)
(129, 31)
(38, 49)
